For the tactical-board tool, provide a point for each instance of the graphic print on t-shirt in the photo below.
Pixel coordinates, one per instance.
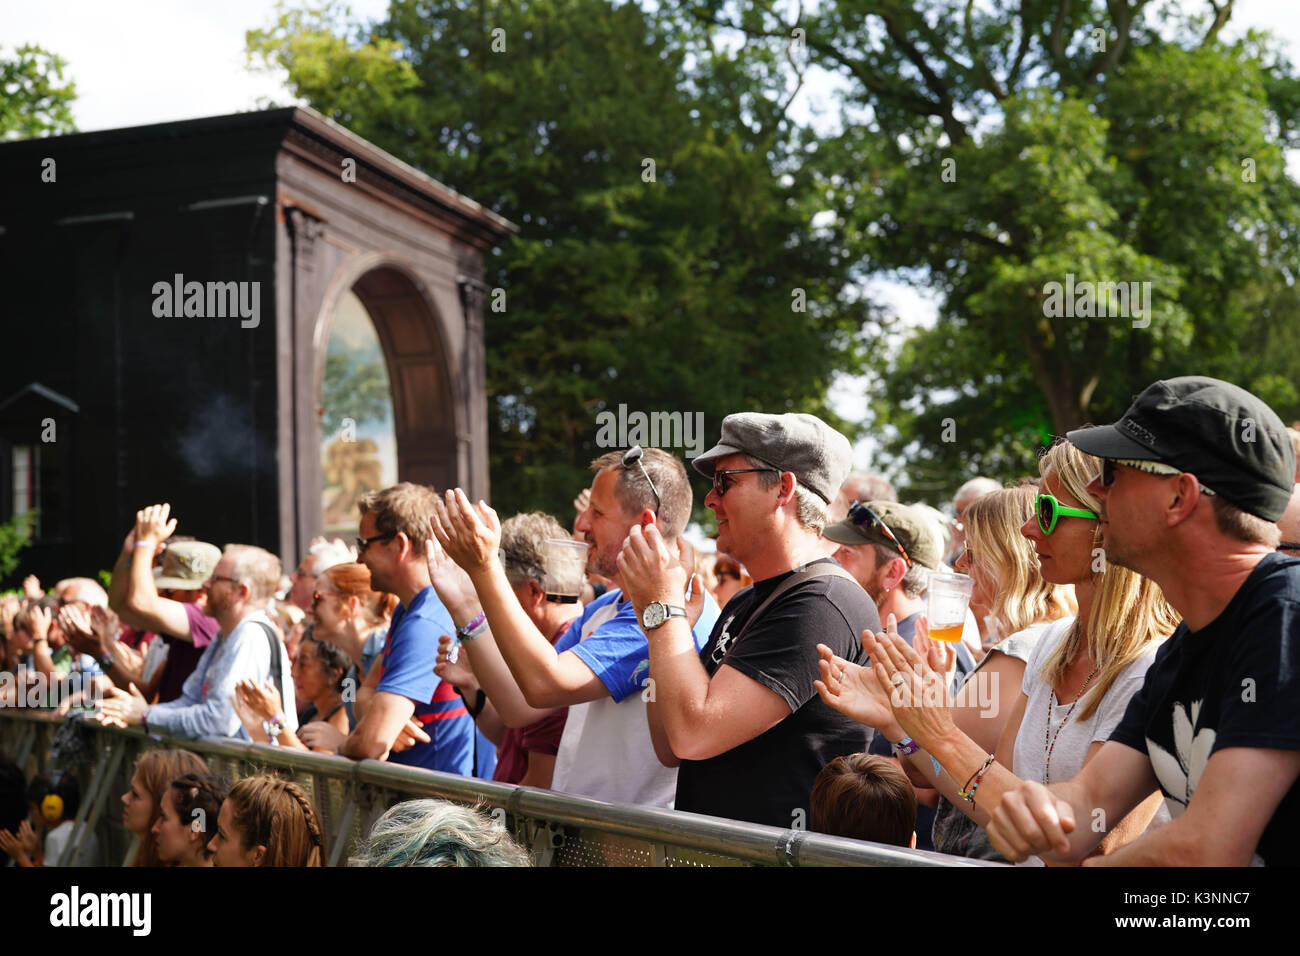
(724, 641)
(1180, 772)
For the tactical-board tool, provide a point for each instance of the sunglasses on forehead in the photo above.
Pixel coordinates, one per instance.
(864, 517)
(632, 457)
(1049, 511)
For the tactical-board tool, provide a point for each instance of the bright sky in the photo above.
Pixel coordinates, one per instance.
(154, 61)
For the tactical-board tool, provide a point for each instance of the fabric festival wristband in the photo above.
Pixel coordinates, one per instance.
(906, 746)
(473, 629)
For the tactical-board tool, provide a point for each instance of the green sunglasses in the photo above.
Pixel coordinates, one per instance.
(1049, 510)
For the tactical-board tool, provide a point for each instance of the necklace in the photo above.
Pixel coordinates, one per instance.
(1049, 739)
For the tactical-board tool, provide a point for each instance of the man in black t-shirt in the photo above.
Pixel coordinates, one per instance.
(1195, 476)
(742, 716)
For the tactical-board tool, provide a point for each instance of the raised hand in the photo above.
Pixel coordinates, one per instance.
(106, 626)
(40, 619)
(12, 845)
(471, 536)
(855, 692)
(76, 629)
(264, 701)
(32, 587)
(154, 524)
(651, 571)
(251, 721)
(452, 667)
(918, 694)
(455, 589)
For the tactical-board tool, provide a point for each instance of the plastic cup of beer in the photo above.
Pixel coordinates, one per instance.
(946, 603)
(566, 569)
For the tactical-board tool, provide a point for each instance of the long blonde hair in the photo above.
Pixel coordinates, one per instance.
(1129, 612)
(1000, 553)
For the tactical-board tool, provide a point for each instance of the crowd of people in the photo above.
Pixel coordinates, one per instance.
(1120, 691)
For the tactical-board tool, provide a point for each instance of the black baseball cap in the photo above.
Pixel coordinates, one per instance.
(1228, 438)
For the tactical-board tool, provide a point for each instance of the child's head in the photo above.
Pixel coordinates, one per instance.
(51, 802)
(864, 797)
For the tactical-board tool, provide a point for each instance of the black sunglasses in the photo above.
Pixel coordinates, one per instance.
(363, 543)
(864, 517)
(1108, 472)
(633, 457)
(1289, 546)
(721, 478)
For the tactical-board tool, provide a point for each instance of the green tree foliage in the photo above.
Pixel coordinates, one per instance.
(350, 389)
(990, 149)
(671, 286)
(34, 99)
(15, 535)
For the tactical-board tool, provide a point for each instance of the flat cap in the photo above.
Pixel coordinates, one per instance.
(819, 456)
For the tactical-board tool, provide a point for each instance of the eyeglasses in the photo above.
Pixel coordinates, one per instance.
(220, 578)
(317, 597)
(1049, 510)
(632, 457)
(363, 543)
(1289, 546)
(864, 517)
(721, 479)
(1158, 468)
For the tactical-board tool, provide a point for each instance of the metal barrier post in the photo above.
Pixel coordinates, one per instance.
(25, 747)
(340, 838)
(114, 762)
(92, 792)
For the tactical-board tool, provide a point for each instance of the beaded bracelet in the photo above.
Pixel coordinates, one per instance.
(967, 792)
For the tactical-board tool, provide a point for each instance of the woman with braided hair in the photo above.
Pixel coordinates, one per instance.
(267, 821)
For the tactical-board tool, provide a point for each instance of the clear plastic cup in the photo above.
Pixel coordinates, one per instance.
(946, 603)
(566, 569)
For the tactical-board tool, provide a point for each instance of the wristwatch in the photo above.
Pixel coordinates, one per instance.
(656, 612)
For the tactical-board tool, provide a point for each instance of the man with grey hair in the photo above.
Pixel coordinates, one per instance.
(861, 486)
(247, 648)
(320, 557)
(966, 494)
(742, 716)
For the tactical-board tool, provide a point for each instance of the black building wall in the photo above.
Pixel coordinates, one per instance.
(170, 409)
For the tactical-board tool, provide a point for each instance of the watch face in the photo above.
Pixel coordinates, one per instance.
(654, 614)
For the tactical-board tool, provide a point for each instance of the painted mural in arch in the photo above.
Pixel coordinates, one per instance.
(358, 441)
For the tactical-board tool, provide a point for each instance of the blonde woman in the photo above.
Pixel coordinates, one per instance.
(1022, 605)
(1077, 682)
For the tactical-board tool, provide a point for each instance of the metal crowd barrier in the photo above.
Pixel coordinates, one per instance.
(557, 829)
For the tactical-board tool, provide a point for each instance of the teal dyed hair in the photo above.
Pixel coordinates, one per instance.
(438, 833)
